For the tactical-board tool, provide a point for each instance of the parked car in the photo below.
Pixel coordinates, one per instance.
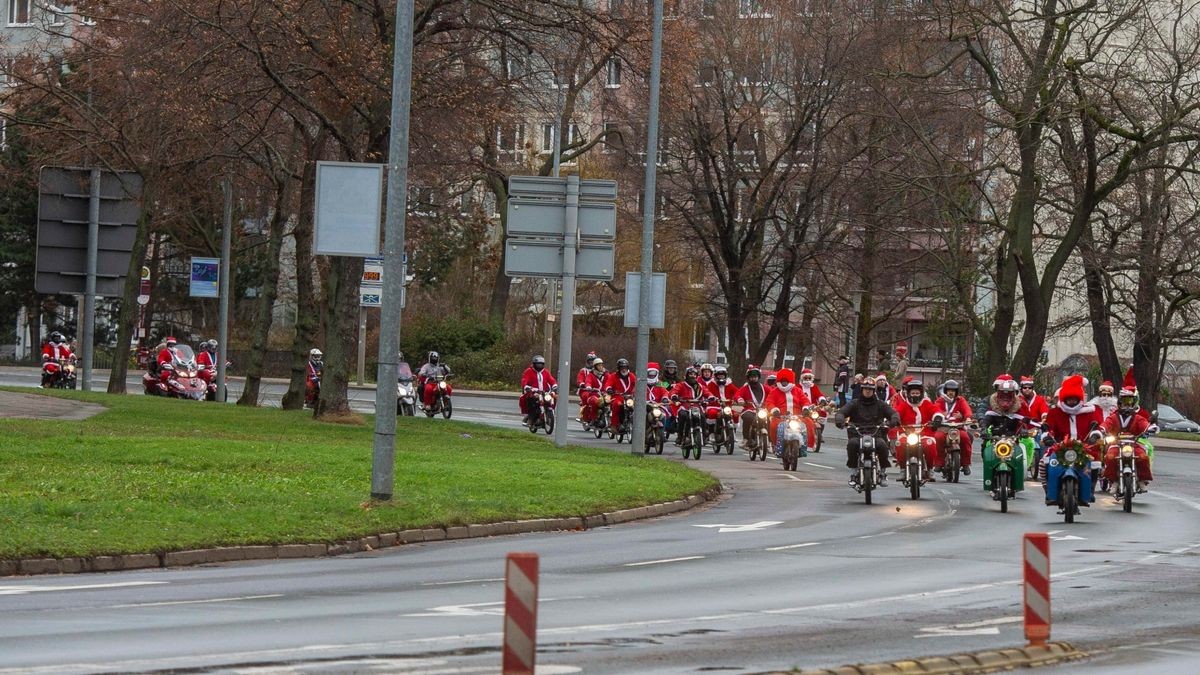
(1170, 419)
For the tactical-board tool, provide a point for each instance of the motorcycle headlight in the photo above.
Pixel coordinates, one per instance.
(762, 414)
(657, 412)
(607, 398)
(548, 398)
(794, 425)
(628, 402)
(727, 410)
(913, 438)
(1110, 439)
(1004, 450)
(815, 415)
(1070, 456)
(441, 385)
(1127, 452)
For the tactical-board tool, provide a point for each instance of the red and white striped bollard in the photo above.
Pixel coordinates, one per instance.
(520, 613)
(1037, 588)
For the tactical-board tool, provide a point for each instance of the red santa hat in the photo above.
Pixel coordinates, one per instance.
(901, 348)
(881, 376)
(1072, 387)
(786, 375)
(806, 371)
(907, 379)
(1129, 386)
(653, 365)
(1026, 380)
(1001, 378)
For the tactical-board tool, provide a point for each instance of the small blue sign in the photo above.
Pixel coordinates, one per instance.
(206, 275)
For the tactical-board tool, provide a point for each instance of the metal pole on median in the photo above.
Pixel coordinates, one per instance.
(649, 201)
(223, 291)
(362, 345)
(88, 329)
(384, 455)
(567, 321)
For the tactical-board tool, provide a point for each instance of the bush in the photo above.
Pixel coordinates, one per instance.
(1187, 399)
(498, 363)
(452, 337)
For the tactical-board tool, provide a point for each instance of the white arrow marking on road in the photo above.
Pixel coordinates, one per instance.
(985, 627)
(492, 608)
(753, 527)
(21, 590)
(802, 480)
(819, 466)
(1068, 537)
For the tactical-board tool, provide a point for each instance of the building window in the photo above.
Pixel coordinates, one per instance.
(20, 12)
(612, 138)
(510, 140)
(514, 66)
(753, 9)
(421, 201)
(571, 131)
(613, 74)
(708, 8)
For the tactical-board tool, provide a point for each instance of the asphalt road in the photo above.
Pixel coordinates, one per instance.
(787, 570)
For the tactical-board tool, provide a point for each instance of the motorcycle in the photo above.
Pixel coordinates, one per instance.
(183, 381)
(66, 377)
(952, 462)
(690, 422)
(624, 420)
(722, 435)
(1003, 476)
(312, 393)
(1124, 446)
(543, 415)
(441, 398)
(655, 428)
(760, 435)
(870, 473)
(914, 465)
(600, 423)
(794, 438)
(820, 414)
(1069, 479)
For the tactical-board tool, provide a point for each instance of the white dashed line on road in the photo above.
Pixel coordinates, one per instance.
(789, 546)
(667, 560)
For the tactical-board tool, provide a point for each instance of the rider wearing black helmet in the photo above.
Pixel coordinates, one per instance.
(689, 389)
(536, 381)
(55, 348)
(670, 373)
(867, 411)
(426, 377)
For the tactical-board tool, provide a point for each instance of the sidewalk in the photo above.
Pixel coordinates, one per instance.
(1175, 445)
(100, 380)
(30, 406)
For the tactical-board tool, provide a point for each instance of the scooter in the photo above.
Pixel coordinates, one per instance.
(1069, 478)
(406, 391)
(1003, 475)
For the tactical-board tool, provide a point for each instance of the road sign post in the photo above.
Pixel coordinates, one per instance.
(223, 292)
(561, 228)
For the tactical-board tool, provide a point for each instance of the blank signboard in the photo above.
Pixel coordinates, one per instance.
(349, 209)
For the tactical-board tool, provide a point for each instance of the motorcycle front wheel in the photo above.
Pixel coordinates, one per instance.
(549, 422)
(1067, 496)
(658, 441)
(914, 481)
(447, 408)
(1128, 486)
(1001, 481)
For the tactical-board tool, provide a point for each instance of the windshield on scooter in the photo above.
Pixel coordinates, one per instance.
(404, 372)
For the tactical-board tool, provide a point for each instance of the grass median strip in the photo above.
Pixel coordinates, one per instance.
(152, 475)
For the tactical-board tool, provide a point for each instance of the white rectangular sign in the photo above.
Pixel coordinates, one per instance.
(349, 209)
(658, 299)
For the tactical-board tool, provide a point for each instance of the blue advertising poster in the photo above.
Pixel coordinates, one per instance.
(206, 273)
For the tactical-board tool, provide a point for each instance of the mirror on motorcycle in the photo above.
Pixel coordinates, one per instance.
(1154, 417)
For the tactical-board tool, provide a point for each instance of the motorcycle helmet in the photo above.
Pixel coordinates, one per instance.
(434, 358)
(1127, 403)
(539, 362)
(171, 341)
(690, 375)
(950, 386)
(589, 358)
(622, 364)
(708, 367)
(56, 338)
(315, 355)
(771, 377)
(915, 390)
(867, 386)
(721, 373)
(670, 366)
(598, 364)
(753, 373)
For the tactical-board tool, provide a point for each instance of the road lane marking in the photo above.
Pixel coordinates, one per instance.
(802, 480)
(665, 560)
(493, 608)
(821, 466)
(21, 590)
(789, 546)
(464, 581)
(752, 527)
(194, 602)
(985, 627)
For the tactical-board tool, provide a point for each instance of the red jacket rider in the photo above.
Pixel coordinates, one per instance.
(953, 408)
(535, 380)
(621, 382)
(1072, 418)
(1128, 420)
(55, 348)
(916, 411)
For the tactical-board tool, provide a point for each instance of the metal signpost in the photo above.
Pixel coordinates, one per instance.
(633, 300)
(87, 223)
(561, 227)
(223, 291)
(649, 189)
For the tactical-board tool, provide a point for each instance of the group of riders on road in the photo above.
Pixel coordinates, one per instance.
(1014, 409)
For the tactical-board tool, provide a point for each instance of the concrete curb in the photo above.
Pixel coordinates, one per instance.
(135, 561)
(976, 662)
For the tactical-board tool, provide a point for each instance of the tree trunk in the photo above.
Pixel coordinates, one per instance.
(127, 319)
(269, 283)
(341, 293)
(1098, 312)
(502, 283)
(306, 317)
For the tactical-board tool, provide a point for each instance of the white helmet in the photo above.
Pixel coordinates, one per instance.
(315, 354)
